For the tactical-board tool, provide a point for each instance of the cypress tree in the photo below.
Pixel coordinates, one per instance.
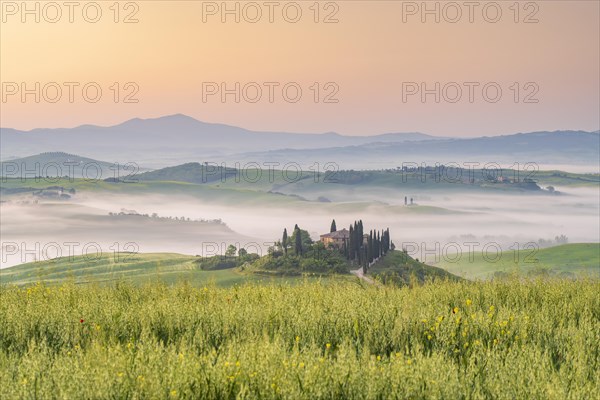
(387, 240)
(298, 246)
(333, 227)
(370, 247)
(284, 241)
(357, 242)
(360, 227)
(351, 252)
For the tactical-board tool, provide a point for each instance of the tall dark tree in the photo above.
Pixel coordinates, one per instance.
(284, 240)
(333, 227)
(352, 240)
(370, 247)
(384, 242)
(298, 246)
(353, 235)
(387, 240)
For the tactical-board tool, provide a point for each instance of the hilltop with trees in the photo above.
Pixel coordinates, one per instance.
(337, 252)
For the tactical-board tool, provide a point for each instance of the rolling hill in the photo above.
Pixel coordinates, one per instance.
(399, 268)
(295, 182)
(171, 268)
(568, 260)
(167, 268)
(61, 164)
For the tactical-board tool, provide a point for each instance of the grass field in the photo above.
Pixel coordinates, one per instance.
(574, 259)
(536, 339)
(167, 268)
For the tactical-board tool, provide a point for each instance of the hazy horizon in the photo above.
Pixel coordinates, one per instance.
(284, 131)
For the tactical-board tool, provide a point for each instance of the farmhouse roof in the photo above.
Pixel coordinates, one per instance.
(342, 234)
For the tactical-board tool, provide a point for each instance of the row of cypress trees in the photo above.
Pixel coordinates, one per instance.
(364, 249)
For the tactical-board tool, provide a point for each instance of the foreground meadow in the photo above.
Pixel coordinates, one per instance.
(448, 340)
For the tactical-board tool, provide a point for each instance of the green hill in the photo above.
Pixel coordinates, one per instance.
(430, 178)
(167, 268)
(399, 268)
(60, 164)
(567, 260)
(171, 268)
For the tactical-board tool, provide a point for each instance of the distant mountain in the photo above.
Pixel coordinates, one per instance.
(177, 139)
(172, 139)
(60, 164)
(542, 148)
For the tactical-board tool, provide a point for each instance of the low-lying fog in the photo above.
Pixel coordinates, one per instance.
(34, 231)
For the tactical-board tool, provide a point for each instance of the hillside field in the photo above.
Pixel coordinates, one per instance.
(166, 268)
(569, 260)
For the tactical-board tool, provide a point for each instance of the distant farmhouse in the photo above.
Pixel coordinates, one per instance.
(337, 238)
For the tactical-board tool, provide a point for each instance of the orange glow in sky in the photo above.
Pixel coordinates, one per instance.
(357, 63)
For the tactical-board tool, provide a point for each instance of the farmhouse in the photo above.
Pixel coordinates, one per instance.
(337, 238)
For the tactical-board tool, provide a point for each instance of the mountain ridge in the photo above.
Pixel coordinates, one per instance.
(178, 138)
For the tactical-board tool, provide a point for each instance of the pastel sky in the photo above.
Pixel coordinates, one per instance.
(370, 61)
